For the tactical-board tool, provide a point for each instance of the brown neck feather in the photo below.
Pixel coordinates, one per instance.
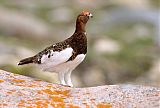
(80, 27)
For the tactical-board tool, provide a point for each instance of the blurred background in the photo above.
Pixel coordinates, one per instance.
(123, 38)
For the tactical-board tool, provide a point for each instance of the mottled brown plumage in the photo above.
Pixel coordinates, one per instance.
(78, 41)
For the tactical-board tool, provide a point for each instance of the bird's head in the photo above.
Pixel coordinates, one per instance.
(84, 17)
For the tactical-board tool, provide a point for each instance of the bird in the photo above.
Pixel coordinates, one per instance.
(63, 57)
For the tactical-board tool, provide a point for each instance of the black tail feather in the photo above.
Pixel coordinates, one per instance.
(26, 61)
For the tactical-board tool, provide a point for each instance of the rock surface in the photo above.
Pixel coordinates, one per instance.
(21, 91)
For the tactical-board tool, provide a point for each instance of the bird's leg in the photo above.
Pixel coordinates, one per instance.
(68, 78)
(61, 78)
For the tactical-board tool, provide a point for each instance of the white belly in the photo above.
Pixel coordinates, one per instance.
(66, 66)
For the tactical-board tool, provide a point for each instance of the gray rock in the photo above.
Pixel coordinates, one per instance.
(20, 91)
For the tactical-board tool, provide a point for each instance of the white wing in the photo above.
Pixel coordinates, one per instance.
(55, 58)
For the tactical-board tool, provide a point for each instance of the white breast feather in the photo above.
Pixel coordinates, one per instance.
(56, 58)
(66, 66)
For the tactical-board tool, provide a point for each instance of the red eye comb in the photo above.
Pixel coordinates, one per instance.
(85, 13)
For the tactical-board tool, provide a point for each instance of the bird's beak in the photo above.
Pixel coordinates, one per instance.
(90, 15)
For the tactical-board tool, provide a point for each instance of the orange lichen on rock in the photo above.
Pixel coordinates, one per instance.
(2, 105)
(48, 91)
(55, 92)
(1, 80)
(49, 86)
(20, 85)
(63, 92)
(104, 105)
(11, 91)
(56, 99)
(73, 106)
(41, 104)
(18, 80)
(39, 91)
(37, 103)
(61, 105)
(86, 104)
(21, 104)
(57, 102)
(26, 85)
(58, 105)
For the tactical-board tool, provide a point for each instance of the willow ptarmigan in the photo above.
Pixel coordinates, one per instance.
(65, 56)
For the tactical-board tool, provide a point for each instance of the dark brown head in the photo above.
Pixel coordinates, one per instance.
(84, 17)
(82, 20)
